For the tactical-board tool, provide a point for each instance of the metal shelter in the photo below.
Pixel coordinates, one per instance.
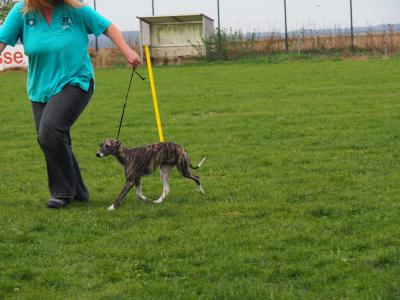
(172, 39)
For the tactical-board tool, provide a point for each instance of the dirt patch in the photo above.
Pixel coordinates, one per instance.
(232, 213)
(357, 58)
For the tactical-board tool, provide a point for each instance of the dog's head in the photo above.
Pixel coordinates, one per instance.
(108, 147)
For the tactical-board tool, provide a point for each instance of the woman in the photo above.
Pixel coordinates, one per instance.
(60, 79)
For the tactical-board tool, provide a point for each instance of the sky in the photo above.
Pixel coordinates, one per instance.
(258, 15)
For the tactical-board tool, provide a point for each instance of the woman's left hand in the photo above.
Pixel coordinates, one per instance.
(132, 58)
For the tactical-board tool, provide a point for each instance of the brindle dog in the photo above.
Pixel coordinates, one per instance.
(142, 161)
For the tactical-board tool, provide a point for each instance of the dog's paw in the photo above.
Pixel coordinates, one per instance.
(159, 201)
(111, 207)
(200, 189)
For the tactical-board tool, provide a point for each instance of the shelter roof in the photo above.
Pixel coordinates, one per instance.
(174, 18)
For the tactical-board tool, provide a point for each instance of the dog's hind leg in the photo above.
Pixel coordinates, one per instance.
(164, 174)
(127, 187)
(183, 167)
(138, 187)
(198, 182)
(200, 187)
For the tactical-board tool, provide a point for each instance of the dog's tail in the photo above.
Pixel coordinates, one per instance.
(199, 164)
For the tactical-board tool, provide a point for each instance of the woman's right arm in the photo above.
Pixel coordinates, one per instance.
(2, 46)
(11, 29)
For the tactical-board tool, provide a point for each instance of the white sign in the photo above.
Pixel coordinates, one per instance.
(13, 57)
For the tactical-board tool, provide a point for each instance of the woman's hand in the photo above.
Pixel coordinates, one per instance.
(132, 57)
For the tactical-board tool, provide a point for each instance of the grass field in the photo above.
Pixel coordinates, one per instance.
(302, 188)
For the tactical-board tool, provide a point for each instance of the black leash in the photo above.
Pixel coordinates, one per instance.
(126, 98)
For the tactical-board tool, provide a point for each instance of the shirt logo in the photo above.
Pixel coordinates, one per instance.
(66, 22)
(30, 22)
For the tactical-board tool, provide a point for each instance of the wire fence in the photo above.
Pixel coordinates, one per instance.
(259, 27)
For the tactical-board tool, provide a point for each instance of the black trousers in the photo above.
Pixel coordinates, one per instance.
(53, 122)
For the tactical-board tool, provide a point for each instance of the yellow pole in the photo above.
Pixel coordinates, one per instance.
(153, 92)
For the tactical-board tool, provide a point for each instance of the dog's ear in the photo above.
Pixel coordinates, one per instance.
(117, 143)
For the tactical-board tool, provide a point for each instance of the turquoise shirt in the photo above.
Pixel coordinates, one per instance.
(57, 52)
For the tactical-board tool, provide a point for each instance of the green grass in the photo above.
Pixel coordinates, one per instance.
(302, 188)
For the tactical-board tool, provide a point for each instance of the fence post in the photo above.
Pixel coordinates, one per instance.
(96, 39)
(385, 40)
(286, 30)
(219, 25)
(351, 26)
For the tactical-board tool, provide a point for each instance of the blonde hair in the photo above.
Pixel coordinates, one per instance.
(39, 5)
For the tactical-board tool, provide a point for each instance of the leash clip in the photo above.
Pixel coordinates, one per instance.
(141, 77)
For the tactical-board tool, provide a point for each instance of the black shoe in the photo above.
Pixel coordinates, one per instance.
(57, 202)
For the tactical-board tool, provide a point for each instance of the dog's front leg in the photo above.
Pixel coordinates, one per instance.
(138, 187)
(127, 187)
